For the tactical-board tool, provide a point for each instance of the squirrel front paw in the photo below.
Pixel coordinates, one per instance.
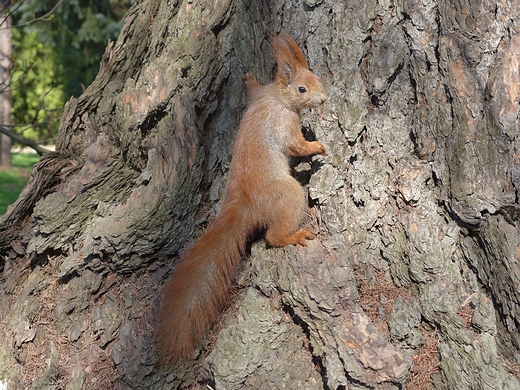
(319, 148)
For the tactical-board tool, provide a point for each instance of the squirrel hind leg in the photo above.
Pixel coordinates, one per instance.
(285, 213)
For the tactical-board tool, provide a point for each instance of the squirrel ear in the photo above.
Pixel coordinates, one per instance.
(288, 56)
(297, 56)
(288, 72)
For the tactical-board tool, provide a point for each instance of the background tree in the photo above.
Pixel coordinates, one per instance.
(413, 278)
(57, 49)
(5, 82)
(77, 31)
(38, 93)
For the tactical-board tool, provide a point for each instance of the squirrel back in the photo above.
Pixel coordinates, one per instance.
(261, 195)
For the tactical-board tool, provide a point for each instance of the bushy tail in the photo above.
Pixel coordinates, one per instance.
(199, 285)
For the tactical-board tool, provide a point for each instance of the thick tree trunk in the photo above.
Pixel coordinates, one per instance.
(413, 279)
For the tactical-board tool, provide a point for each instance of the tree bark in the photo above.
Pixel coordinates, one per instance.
(412, 281)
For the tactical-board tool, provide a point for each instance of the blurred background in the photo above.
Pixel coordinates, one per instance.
(50, 51)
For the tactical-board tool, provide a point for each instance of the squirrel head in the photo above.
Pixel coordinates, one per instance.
(300, 87)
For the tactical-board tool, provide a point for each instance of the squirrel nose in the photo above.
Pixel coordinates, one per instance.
(323, 98)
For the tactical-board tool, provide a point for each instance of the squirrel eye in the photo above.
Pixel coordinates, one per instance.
(302, 89)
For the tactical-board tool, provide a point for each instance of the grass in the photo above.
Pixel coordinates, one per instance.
(13, 180)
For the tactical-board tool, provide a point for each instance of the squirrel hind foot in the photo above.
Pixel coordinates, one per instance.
(303, 235)
(299, 238)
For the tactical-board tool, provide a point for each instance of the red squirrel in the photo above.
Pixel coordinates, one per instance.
(261, 194)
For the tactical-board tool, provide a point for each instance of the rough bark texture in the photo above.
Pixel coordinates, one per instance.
(413, 280)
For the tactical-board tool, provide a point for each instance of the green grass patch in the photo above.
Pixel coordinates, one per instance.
(13, 180)
(24, 160)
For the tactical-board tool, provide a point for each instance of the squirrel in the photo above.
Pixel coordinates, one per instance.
(261, 194)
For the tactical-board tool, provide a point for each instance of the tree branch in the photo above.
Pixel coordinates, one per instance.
(44, 18)
(40, 150)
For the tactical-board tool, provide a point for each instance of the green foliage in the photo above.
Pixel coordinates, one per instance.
(78, 31)
(57, 55)
(37, 90)
(13, 180)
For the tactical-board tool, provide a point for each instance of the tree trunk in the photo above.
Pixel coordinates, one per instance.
(5, 86)
(412, 281)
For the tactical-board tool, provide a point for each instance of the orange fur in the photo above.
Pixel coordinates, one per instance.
(261, 194)
(253, 88)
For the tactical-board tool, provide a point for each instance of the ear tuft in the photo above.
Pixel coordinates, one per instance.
(297, 55)
(288, 56)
